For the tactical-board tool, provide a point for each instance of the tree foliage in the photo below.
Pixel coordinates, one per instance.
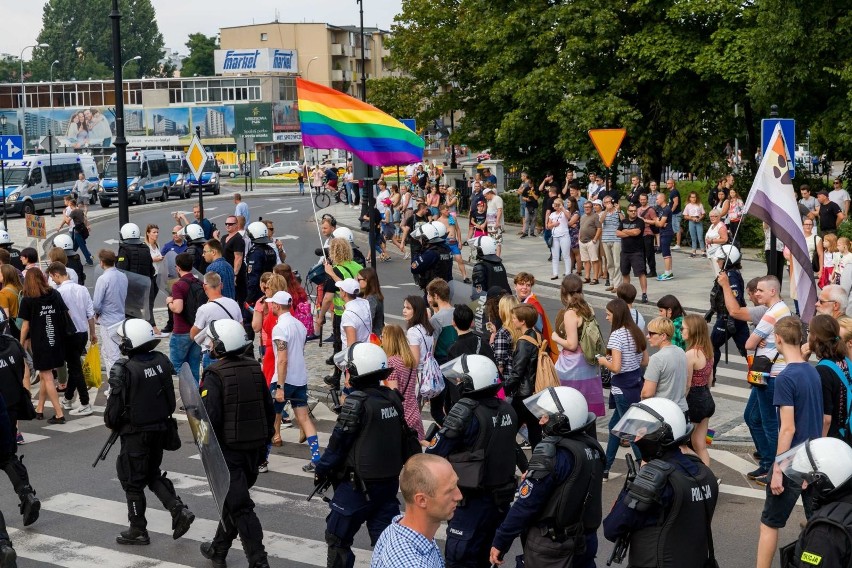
(400, 97)
(531, 78)
(200, 59)
(79, 35)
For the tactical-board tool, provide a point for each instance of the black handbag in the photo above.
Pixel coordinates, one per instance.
(815, 258)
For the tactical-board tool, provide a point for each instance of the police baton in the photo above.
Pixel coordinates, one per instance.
(619, 551)
(320, 489)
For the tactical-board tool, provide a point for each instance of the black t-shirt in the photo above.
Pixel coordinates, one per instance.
(422, 179)
(547, 205)
(235, 244)
(672, 194)
(633, 196)
(470, 344)
(411, 224)
(833, 399)
(530, 197)
(828, 216)
(478, 218)
(632, 244)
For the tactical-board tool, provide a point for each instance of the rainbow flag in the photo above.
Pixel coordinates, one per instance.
(333, 120)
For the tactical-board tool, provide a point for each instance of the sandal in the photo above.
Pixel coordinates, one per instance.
(594, 282)
(587, 281)
(276, 441)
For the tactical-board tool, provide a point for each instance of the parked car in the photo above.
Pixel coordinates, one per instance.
(231, 170)
(281, 168)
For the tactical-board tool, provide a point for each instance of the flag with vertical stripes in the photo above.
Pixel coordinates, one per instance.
(772, 199)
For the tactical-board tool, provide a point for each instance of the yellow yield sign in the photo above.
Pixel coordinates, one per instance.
(607, 141)
(196, 157)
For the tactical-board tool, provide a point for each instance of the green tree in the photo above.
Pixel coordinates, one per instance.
(10, 69)
(79, 34)
(200, 59)
(400, 97)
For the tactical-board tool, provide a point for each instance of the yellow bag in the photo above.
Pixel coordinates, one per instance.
(92, 367)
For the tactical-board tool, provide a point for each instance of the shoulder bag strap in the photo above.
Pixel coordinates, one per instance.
(844, 378)
(224, 309)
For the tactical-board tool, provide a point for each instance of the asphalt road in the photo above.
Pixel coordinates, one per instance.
(83, 508)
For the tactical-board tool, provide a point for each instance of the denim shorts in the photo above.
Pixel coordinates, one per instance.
(298, 396)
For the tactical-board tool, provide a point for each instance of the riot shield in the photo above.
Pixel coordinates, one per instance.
(212, 459)
(169, 264)
(138, 289)
(461, 293)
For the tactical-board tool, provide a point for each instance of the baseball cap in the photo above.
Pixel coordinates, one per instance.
(597, 202)
(281, 297)
(487, 190)
(349, 285)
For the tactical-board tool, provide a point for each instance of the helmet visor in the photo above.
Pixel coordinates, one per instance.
(541, 404)
(635, 426)
(449, 371)
(341, 360)
(798, 464)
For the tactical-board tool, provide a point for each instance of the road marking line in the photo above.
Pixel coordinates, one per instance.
(277, 545)
(737, 392)
(71, 554)
(731, 460)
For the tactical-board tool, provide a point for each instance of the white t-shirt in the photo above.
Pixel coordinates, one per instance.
(213, 310)
(839, 196)
(638, 319)
(494, 205)
(561, 229)
(418, 336)
(291, 331)
(356, 313)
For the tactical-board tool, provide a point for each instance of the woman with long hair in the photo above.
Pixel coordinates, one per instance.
(557, 224)
(152, 232)
(404, 376)
(670, 308)
(834, 368)
(44, 315)
(699, 376)
(371, 291)
(504, 337)
(716, 236)
(628, 353)
(11, 282)
(301, 307)
(734, 209)
(421, 340)
(571, 366)
(693, 212)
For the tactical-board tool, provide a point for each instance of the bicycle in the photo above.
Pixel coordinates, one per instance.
(322, 197)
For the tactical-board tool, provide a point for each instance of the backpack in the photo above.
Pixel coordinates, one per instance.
(196, 298)
(591, 340)
(430, 380)
(826, 541)
(545, 371)
(846, 380)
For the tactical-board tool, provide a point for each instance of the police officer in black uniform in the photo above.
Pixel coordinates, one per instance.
(261, 258)
(139, 408)
(195, 240)
(488, 270)
(558, 509)
(7, 447)
(240, 409)
(66, 243)
(364, 454)
(6, 243)
(133, 255)
(667, 511)
(17, 406)
(728, 257)
(435, 259)
(477, 435)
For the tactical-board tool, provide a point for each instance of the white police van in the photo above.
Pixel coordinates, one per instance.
(28, 181)
(178, 170)
(147, 176)
(209, 176)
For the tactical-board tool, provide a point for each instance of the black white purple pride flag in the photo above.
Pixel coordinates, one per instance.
(772, 199)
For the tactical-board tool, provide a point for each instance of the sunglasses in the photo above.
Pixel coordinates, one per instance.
(653, 333)
(229, 224)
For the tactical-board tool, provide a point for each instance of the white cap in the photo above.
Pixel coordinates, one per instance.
(597, 202)
(487, 190)
(281, 297)
(349, 285)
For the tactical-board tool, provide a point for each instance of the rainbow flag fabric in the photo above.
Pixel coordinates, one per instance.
(333, 120)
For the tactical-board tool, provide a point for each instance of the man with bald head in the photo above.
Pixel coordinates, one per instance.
(429, 486)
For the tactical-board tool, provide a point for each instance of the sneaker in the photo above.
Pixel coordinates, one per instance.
(263, 468)
(90, 262)
(67, 404)
(55, 420)
(524, 236)
(605, 474)
(286, 423)
(763, 481)
(19, 438)
(84, 410)
(676, 247)
(644, 298)
(668, 275)
(607, 284)
(309, 467)
(759, 472)
(467, 280)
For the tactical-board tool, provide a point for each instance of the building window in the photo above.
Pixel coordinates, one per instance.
(264, 36)
(175, 96)
(254, 93)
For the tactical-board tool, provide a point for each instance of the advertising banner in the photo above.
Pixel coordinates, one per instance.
(254, 121)
(255, 60)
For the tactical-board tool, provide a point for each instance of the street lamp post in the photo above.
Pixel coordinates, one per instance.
(3, 172)
(120, 141)
(308, 68)
(51, 80)
(24, 94)
(136, 58)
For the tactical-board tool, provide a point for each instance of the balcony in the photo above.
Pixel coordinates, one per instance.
(385, 53)
(368, 54)
(339, 75)
(336, 49)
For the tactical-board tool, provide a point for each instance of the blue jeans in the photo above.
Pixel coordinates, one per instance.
(621, 406)
(182, 350)
(301, 188)
(80, 243)
(207, 360)
(696, 234)
(762, 422)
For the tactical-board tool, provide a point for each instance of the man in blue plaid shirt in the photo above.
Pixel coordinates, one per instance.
(429, 487)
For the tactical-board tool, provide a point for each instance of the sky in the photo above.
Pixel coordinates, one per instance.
(22, 25)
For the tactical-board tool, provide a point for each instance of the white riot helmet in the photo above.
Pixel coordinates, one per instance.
(130, 234)
(729, 252)
(64, 241)
(258, 233)
(653, 424)
(227, 337)
(825, 463)
(441, 230)
(427, 232)
(193, 232)
(367, 364)
(344, 233)
(5, 239)
(565, 407)
(137, 336)
(486, 248)
(472, 374)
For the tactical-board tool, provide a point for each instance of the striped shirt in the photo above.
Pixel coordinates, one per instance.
(621, 340)
(610, 226)
(766, 331)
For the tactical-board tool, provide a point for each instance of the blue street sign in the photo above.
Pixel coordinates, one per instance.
(409, 122)
(788, 129)
(11, 147)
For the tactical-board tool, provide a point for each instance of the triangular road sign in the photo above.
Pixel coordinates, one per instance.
(607, 141)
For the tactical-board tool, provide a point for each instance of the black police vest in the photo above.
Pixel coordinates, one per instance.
(15, 258)
(444, 266)
(135, 259)
(265, 262)
(377, 451)
(679, 539)
(495, 275)
(11, 371)
(150, 397)
(244, 415)
(484, 465)
(569, 509)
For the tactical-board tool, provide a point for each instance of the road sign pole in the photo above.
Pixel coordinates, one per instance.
(245, 164)
(198, 179)
(120, 141)
(3, 182)
(50, 177)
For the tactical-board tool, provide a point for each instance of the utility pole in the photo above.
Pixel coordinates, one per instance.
(120, 142)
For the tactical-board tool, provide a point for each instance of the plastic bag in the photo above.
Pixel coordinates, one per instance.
(92, 367)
